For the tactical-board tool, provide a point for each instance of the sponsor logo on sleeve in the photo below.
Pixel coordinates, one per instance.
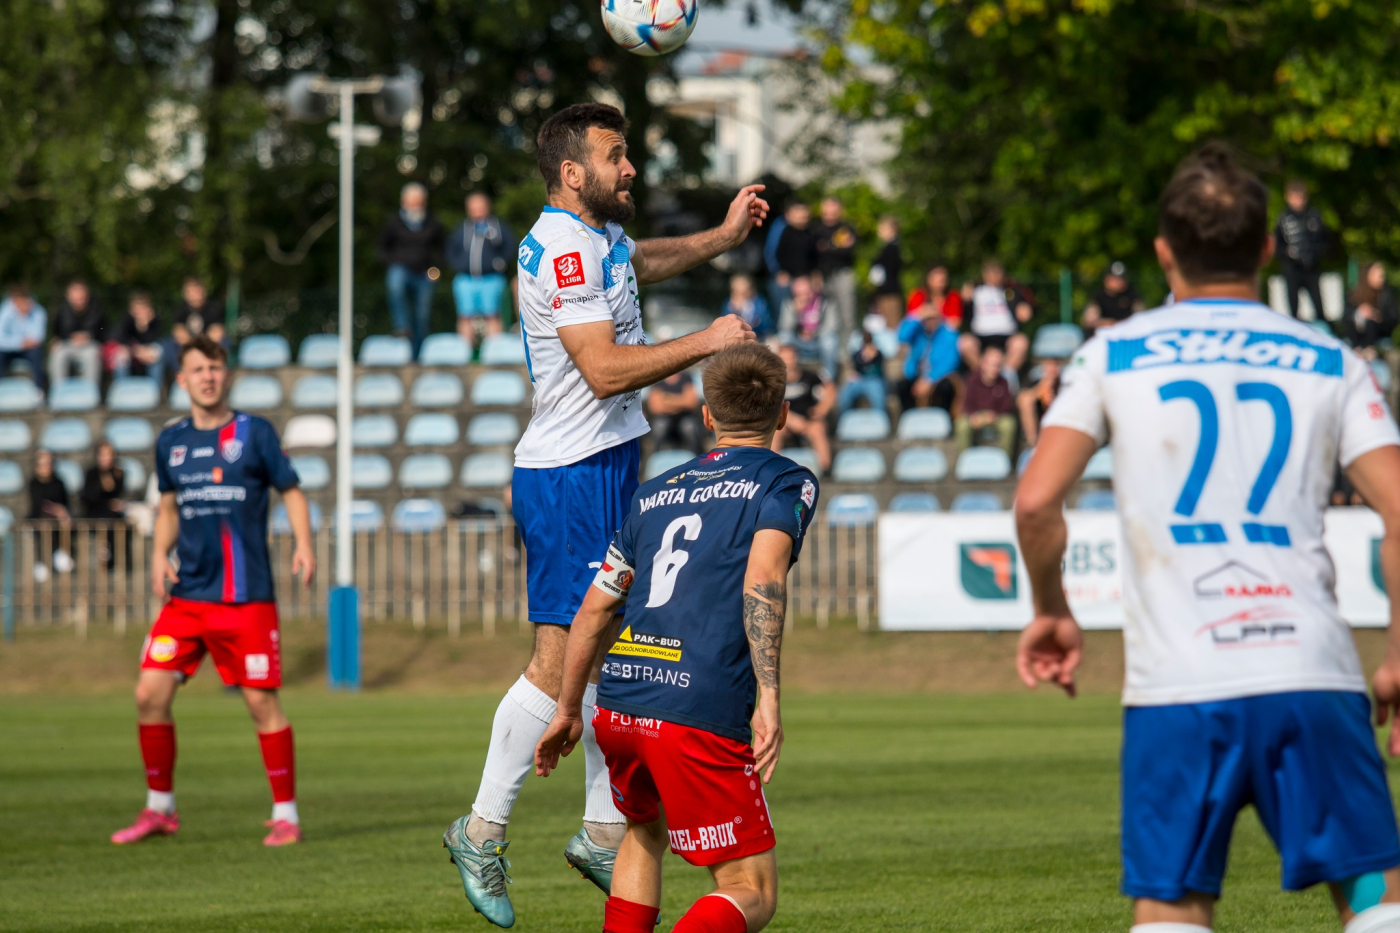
(568, 270)
(177, 455)
(988, 570)
(809, 492)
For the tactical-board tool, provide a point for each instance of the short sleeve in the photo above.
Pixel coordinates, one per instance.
(788, 507)
(1366, 419)
(1080, 402)
(164, 481)
(616, 574)
(280, 473)
(571, 283)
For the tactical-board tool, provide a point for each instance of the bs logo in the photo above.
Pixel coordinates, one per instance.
(988, 570)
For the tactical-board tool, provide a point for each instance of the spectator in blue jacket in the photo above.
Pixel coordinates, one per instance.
(482, 251)
(745, 301)
(931, 368)
(23, 328)
(790, 252)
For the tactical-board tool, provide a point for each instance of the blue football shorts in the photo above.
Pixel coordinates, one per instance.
(1307, 761)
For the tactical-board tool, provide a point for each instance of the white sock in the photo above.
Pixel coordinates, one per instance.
(1383, 918)
(162, 801)
(598, 806)
(1169, 928)
(519, 725)
(286, 811)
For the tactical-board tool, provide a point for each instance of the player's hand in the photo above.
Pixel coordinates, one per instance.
(161, 574)
(1386, 687)
(304, 563)
(767, 735)
(560, 737)
(746, 211)
(1050, 649)
(728, 330)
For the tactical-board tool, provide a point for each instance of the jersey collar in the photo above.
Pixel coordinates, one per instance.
(551, 209)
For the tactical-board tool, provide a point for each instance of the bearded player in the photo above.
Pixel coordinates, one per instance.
(1243, 688)
(214, 470)
(576, 465)
(702, 562)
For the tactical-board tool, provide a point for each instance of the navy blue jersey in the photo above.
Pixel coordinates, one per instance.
(220, 479)
(680, 557)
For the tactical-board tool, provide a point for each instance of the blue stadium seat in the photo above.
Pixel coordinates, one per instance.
(66, 436)
(1322, 327)
(134, 393)
(887, 341)
(920, 465)
(852, 509)
(425, 471)
(503, 350)
(71, 473)
(14, 437)
(255, 393)
(319, 351)
(1381, 370)
(130, 435)
(1097, 500)
(17, 394)
(264, 351)
(179, 399)
(915, 502)
(378, 390)
(976, 501)
(317, 390)
(370, 471)
(365, 515)
(498, 388)
(281, 525)
(314, 431)
(7, 521)
(925, 424)
(313, 471)
(383, 350)
(1056, 341)
(863, 425)
(437, 390)
(75, 395)
(444, 350)
(1100, 465)
(374, 431)
(662, 460)
(493, 429)
(134, 476)
(431, 429)
(419, 515)
(982, 463)
(803, 456)
(858, 465)
(486, 470)
(11, 478)
(1023, 460)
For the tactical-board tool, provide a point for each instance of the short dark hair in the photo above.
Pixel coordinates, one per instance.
(202, 344)
(1296, 184)
(745, 387)
(1215, 216)
(140, 297)
(18, 290)
(564, 137)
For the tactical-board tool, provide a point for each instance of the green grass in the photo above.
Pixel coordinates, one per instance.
(894, 812)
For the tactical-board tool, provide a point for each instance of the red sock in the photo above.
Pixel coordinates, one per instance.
(621, 916)
(158, 752)
(713, 913)
(279, 757)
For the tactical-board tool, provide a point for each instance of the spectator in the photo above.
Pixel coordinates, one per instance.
(745, 301)
(931, 366)
(196, 314)
(790, 251)
(836, 257)
(1301, 239)
(48, 502)
(1115, 301)
(673, 406)
(867, 378)
(136, 351)
(103, 498)
(22, 328)
(809, 397)
(936, 290)
(988, 407)
(886, 271)
(1371, 312)
(998, 311)
(78, 331)
(1034, 402)
(808, 322)
(482, 251)
(408, 245)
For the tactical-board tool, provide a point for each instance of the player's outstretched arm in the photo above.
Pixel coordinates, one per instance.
(612, 369)
(299, 517)
(586, 634)
(765, 611)
(1376, 475)
(166, 531)
(1051, 646)
(659, 259)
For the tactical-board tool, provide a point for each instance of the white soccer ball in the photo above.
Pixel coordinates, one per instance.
(650, 27)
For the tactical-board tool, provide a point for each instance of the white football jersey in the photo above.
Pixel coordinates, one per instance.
(571, 273)
(1227, 423)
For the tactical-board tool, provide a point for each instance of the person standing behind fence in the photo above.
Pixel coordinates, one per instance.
(1302, 238)
(48, 503)
(410, 243)
(482, 251)
(78, 329)
(103, 488)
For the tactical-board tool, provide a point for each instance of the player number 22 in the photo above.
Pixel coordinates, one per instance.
(669, 561)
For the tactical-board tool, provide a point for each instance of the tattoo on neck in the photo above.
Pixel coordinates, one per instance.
(765, 608)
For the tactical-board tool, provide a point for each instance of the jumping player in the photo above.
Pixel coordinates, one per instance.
(702, 562)
(576, 465)
(1227, 422)
(214, 469)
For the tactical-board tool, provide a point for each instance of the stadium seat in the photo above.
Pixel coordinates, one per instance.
(66, 436)
(425, 471)
(71, 473)
(976, 501)
(365, 515)
(14, 437)
(1381, 370)
(1023, 460)
(264, 351)
(915, 502)
(134, 476)
(7, 521)
(418, 515)
(179, 399)
(436, 390)
(75, 395)
(887, 341)
(852, 509)
(863, 425)
(858, 465)
(1319, 325)
(317, 390)
(255, 393)
(493, 429)
(1100, 466)
(374, 431)
(925, 424)
(319, 351)
(982, 463)
(18, 394)
(370, 471)
(444, 350)
(282, 525)
(920, 465)
(486, 470)
(384, 350)
(498, 388)
(1056, 341)
(803, 456)
(431, 429)
(130, 435)
(313, 471)
(1097, 500)
(378, 390)
(309, 431)
(503, 350)
(662, 460)
(134, 393)
(11, 478)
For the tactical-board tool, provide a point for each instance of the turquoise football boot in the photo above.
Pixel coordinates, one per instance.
(483, 871)
(592, 861)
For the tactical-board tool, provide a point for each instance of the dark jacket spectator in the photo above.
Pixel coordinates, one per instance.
(886, 274)
(136, 348)
(79, 313)
(791, 248)
(481, 247)
(1115, 300)
(988, 405)
(196, 314)
(104, 486)
(1372, 315)
(409, 245)
(1301, 239)
(836, 258)
(48, 501)
(415, 245)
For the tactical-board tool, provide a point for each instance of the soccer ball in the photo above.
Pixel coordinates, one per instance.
(650, 27)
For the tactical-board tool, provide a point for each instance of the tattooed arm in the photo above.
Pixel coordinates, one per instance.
(765, 611)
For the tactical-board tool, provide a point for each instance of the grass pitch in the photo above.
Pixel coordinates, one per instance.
(993, 812)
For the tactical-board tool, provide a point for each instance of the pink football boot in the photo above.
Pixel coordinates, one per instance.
(149, 823)
(283, 833)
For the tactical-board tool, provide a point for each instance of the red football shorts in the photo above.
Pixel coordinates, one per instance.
(714, 804)
(242, 638)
